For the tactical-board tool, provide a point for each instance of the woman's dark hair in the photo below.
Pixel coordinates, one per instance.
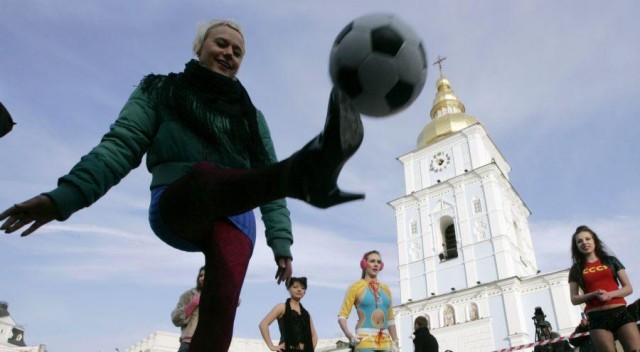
(198, 285)
(302, 280)
(600, 250)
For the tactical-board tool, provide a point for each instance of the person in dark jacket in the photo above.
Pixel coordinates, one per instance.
(423, 340)
(583, 342)
(212, 162)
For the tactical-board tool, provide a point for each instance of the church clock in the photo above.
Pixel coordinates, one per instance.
(439, 161)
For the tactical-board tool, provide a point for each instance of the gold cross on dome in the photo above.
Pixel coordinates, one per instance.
(439, 63)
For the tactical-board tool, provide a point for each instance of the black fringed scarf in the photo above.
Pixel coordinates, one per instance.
(289, 328)
(212, 105)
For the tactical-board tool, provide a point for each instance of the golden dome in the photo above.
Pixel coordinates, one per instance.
(447, 115)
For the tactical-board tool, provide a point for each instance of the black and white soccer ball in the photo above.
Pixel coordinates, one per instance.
(380, 63)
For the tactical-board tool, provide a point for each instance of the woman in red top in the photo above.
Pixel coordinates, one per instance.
(593, 280)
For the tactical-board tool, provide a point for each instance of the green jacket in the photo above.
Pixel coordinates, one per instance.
(172, 149)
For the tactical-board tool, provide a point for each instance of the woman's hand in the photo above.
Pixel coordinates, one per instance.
(279, 348)
(596, 294)
(38, 210)
(284, 271)
(605, 296)
(395, 347)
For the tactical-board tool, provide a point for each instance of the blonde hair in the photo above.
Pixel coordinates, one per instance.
(205, 27)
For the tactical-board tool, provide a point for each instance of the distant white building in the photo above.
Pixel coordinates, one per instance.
(161, 341)
(12, 334)
(465, 254)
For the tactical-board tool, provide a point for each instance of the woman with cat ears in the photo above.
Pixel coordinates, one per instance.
(297, 332)
(375, 329)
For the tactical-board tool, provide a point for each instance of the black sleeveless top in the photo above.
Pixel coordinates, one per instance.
(295, 329)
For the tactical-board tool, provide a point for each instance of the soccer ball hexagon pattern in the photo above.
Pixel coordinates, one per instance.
(380, 63)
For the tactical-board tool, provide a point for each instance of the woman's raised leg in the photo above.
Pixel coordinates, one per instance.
(311, 175)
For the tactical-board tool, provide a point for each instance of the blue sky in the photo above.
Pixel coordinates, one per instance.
(555, 84)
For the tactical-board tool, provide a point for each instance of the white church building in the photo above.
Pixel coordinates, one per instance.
(12, 334)
(465, 255)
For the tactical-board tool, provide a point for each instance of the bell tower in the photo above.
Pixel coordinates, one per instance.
(465, 255)
(460, 222)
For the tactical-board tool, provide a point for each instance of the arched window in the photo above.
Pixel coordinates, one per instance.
(450, 244)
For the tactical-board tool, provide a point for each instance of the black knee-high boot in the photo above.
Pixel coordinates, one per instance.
(312, 173)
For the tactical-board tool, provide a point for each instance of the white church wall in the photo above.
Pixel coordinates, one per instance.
(495, 154)
(460, 163)
(487, 271)
(416, 269)
(418, 283)
(5, 332)
(477, 149)
(430, 276)
(403, 230)
(441, 201)
(538, 299)
(417, 182)
(473, 190)
(469, 336)
(405, 283)
(568, 316)
(469, 330)
(470, 266)
(562, 315)
(502, 317)
(483, 249)
(451, 274)
(429, 244)
(404, 327)
(513, 255)
(498, 322)
(412, 216)
(419, 288)
(462, 156)
(445, 174)
(411, 168)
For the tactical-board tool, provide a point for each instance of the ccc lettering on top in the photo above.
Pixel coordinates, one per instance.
(594, 269)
